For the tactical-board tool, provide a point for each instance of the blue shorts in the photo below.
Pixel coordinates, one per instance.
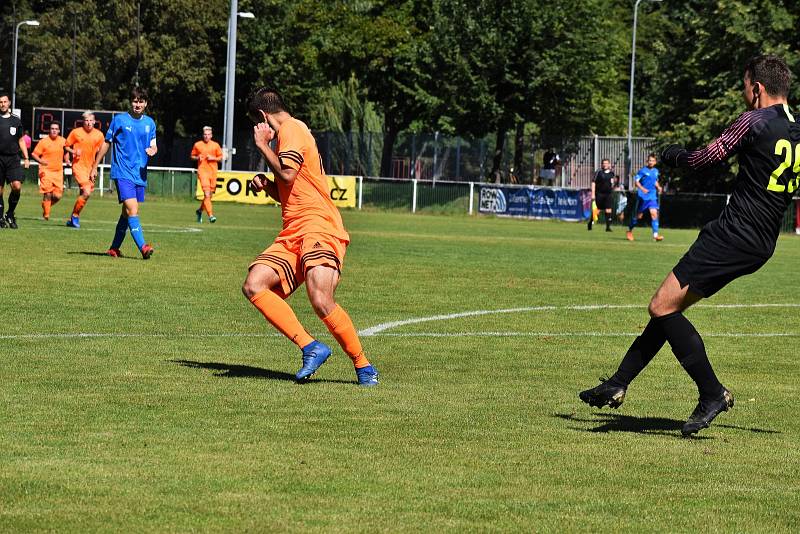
(645, 205)
(127, 190)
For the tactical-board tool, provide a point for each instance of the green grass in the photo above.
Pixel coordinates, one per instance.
(192, 421)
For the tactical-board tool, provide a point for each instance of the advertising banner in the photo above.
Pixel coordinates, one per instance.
(234, 186)
(536, 202)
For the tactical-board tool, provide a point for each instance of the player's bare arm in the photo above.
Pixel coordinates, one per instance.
(260, 183)
(262, 135)
(152, 150)
(24, 149)
(100, 155)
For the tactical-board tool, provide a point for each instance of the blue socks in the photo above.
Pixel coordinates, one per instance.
(136, 231)
(654, 224)
(119, 233)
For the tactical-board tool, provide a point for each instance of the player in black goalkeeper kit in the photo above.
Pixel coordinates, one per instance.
(767, 141)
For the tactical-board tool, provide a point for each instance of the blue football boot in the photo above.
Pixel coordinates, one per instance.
(74, 222)
(367, 376)
(314, 355)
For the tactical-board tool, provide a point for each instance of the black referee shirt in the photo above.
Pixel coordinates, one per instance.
(10, 134)
(603, 182)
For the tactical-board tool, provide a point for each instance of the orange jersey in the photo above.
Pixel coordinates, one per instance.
(306, 205)
(88, 143)
(52, 152)
(207, 169)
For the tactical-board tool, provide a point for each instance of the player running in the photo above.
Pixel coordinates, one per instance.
(648, 188)
(207, 153)
(134, 137)
(739, 242)
(83, 143)
(311, 245)
(50, 155)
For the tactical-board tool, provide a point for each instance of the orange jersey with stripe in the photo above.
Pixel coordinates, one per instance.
(52, 152)
(207, 169)
(88, 143)
(306, 205)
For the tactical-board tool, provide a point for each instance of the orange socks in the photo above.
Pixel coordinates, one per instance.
(282, 317)
(46, 203)
(206, 205)
(340, 325)
(79, 204)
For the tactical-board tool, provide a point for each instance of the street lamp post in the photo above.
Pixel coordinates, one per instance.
(230, 82)
(14, 77)
(628, 162)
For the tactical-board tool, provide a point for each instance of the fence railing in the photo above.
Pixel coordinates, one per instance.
(677, 210)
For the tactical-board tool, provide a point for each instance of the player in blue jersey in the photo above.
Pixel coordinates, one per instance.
(649, 189)
(133, 135)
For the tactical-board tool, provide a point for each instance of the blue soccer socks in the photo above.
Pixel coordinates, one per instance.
(136, 231)
(119, 233)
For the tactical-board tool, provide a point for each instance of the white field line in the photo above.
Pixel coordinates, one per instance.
(381, 329)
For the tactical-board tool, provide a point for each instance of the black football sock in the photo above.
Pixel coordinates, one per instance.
(2, 205)
(642, 350)
(608, 221)
(13, 199)
(688, 347)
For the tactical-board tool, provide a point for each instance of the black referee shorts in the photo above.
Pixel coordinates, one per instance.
(711, 264)
(605, 201)
(10, 170)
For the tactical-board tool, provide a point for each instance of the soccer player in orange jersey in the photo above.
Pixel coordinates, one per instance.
(49, 152)
(83, 143)
(207, 153)
(311, 245)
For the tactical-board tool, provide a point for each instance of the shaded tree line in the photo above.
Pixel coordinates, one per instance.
(461, 67)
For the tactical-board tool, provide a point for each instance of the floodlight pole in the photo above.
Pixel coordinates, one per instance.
(230, 82)
(628, 155)
(14, 76)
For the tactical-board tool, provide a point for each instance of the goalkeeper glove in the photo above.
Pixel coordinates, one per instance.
(671, 154)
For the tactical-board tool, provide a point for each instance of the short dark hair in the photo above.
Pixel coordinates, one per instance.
(56, 123)
(605, 159)
(651, 155)
(771, 72)
(264, 99)
(139, 93)
(5, 94)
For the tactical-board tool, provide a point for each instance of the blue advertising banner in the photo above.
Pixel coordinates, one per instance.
(536, 202)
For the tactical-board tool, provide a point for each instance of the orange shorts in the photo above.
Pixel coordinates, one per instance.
(51, 183)
(293, 256)
(82, 177)
(208, 183)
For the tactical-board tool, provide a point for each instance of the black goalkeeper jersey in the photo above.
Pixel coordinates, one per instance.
(767, 142)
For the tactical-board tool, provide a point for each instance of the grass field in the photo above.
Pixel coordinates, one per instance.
(149, 396)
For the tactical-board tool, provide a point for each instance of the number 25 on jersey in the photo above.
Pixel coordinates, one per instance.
(784, 147)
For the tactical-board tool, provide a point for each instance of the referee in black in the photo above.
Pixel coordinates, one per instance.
(603, 192)
(739, 242)
(11, 143)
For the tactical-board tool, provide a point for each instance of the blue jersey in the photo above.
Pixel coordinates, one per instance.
(130, 138)
(648, 178)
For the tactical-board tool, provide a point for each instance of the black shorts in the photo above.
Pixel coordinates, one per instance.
(10, 170)
(710, 264)
(605, 201)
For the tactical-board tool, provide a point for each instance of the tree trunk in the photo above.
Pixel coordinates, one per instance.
(497, 158)
(389, 137)
(519, 148)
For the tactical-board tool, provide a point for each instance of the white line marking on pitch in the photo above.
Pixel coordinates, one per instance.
(379, 328)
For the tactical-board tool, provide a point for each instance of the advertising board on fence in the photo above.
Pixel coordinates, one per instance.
(234, 186)
(536, 202)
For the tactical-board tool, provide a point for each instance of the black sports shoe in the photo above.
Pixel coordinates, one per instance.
(2, 221)
(606, 394)
(11, 221)
(706, 411)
